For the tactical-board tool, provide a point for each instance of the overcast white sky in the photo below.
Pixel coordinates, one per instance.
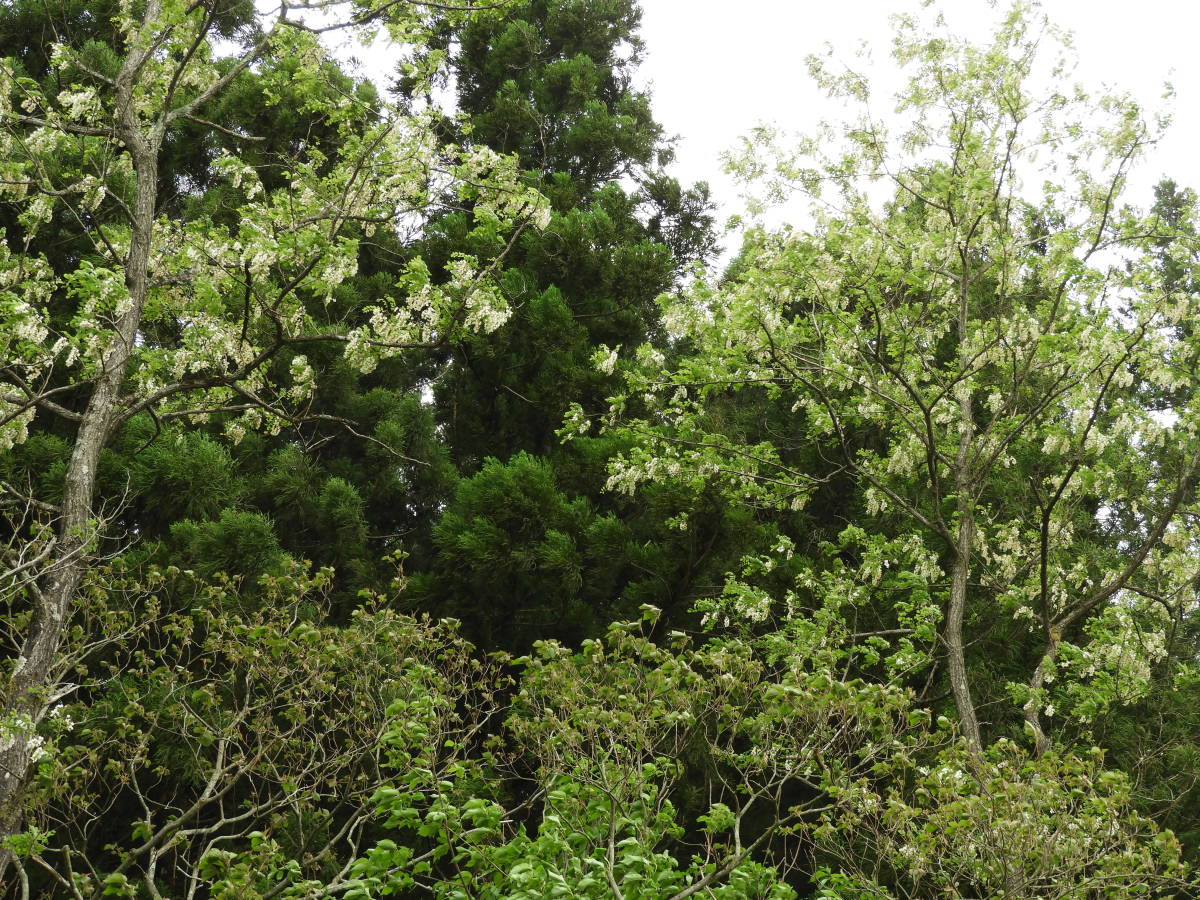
(716, 68)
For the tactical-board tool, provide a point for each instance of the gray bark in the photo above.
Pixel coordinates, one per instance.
(953, 632)
(32, 687)
(964, 537)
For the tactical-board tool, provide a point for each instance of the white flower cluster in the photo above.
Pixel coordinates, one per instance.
(605, 359)
(61, 717)
(575, 422)
(210, 343)
(1130, 652)
(21, 727)
(505, 196)
(81, 104)
(304, 379)
(486, 308)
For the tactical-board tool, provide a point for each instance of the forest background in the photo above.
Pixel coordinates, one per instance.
(396, 505)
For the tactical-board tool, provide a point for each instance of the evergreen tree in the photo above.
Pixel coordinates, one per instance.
(553, 81)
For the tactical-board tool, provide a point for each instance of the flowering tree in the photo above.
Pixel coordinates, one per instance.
(987, 355)
(193, 315)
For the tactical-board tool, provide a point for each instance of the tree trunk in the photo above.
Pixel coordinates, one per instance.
(953, 635)
(964, 538)
(32, 690)
(1032, 709)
